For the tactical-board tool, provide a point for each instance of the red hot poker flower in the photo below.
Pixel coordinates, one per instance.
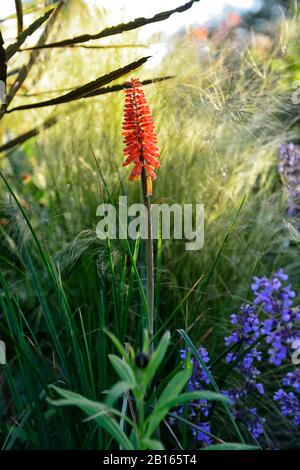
(139, 133)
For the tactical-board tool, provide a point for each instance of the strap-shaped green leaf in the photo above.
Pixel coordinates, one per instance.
(171, 397)
(123, 370)
(156, 359)
(151, 444)
(116, 392)
(100, 412)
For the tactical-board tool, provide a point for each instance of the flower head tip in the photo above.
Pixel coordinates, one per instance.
(139, 134)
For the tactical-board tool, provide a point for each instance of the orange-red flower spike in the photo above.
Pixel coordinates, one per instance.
(139, 133)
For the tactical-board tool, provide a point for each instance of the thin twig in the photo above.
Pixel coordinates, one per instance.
(172, 434)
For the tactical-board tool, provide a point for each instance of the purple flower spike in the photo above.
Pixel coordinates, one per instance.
(292, 379)
(201, 437)
(277, 329)
(283, 325)
(289, 404)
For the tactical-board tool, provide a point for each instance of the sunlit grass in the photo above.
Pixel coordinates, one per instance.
(220, 121)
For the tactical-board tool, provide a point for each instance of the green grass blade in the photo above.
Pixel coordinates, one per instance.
(91, 408)
(215, 262)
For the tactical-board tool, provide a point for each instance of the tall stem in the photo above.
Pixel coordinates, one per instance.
(149, 256)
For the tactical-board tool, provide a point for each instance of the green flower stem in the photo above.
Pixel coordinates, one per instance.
(149, 258)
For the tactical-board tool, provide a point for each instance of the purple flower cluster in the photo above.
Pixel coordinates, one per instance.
(248, 325)
(198, 412)
(199, 375)
(289, 168)
(247, 332)
(251, 420)
(282, 326)
(278, 328)
(288, 401)
(292, 379)
(289, 405)
(200, 436)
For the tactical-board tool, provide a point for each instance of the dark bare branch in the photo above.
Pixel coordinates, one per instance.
(53, 120)
(13, 48)
(3, 67)
(23, 71)
(13, 72)
(101, 91)
(86, 89)
(3, 73)
(120, 28)
(28, 135)
(81, 46)
(19, 11)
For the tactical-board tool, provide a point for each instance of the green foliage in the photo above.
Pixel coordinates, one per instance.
(147, 418)
(73, 308)
(231, 446)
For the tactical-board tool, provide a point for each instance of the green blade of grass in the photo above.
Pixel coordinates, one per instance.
(215, 262)
(172, 314)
